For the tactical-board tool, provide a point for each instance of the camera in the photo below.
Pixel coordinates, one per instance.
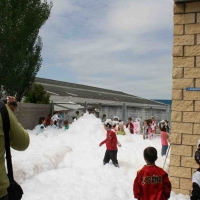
(11, 103)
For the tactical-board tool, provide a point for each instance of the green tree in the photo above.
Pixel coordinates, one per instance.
(37, 94)
(20, 45)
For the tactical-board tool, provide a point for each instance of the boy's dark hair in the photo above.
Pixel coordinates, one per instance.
(109, 125)
(41, 119)
(77, 112)
(130, 118)
(149, 121)
(150, 154)
(104, 115)
(162, 126)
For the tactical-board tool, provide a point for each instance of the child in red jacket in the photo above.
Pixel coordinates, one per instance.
(151, 182)
(111, 145)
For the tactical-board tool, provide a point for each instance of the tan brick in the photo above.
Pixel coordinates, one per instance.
(184, 40)
(191, 95)
(184, 18)
(177, 127)
(192, 29)
(193, 117)
(188, 162)
(197, 84)
(178, 29)
(176, 138)
(177, 51)
(176, 116)
(183, 62)
(181, 150)
(198, 17)
(192, 7)
(175, 160)
(192, 72)
(177, 94)
(197, 105)
(186, 184)
(177, 73)
(179, 8)
(174, 181)
(198, 61)
(181, 191)
(192, 50)
(198, 38)
(182, 105)
(182, 83)
(190, 139)
(196, 129)
(181, 172)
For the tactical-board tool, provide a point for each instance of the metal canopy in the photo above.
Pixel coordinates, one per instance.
(58, 106)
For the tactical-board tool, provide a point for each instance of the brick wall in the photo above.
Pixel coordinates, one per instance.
(28, 114)
(186, 105)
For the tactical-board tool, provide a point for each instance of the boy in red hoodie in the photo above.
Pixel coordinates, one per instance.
(151, 182)
(111, 145)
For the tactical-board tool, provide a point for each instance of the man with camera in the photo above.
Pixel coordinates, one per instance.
(19, 140)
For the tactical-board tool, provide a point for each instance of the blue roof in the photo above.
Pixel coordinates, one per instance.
(168, 102)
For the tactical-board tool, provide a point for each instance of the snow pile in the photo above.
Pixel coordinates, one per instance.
(68, 165)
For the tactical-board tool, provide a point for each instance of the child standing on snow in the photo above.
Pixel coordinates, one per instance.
(66, 123)
(164, 137)
(121, 130)
(111, 145)
(145, 130)
(196, 178)
(40, 127)
(149, 124)
(151, 182)
(130, 126)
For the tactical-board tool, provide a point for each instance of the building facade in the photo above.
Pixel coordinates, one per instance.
(185, 104)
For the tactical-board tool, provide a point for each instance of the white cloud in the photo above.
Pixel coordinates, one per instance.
(122, 47)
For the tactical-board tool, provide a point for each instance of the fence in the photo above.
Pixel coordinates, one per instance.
(28, 114)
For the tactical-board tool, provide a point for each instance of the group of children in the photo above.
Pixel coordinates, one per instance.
(151, 182)
(56, 122)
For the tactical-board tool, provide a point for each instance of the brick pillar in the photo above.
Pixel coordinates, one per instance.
(186, 105)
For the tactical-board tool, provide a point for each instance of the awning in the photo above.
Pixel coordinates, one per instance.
(58, 106)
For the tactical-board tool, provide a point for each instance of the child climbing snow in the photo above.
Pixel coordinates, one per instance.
(111, 145)
(151, 182)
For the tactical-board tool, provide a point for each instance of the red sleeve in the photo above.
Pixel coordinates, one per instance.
(166, 186)
(126, 125)
(137, 188)
(103, 142)
(131, 126)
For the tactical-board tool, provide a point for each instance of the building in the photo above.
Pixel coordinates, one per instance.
(185, 104)
(103, 101)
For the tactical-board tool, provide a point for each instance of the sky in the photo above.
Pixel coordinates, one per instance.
(122, 45)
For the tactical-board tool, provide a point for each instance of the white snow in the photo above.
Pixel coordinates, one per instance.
(67, 165)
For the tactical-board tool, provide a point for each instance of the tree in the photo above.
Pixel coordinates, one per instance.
(37, 94)
(20, 45)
